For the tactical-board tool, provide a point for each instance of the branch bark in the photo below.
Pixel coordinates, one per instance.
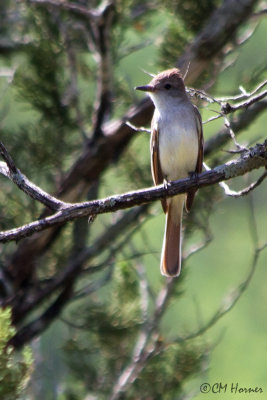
(255, 158)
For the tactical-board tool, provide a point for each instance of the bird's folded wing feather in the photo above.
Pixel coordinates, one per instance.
(191, 193)
(155, 160)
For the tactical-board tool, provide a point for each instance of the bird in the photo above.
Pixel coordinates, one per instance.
(176, 147)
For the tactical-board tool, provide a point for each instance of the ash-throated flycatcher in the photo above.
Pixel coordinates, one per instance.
(176, 151)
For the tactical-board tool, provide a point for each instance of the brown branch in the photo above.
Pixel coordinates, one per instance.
(255, 158)
(35, 327)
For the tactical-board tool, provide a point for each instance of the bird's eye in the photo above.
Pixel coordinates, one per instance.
(167, 86)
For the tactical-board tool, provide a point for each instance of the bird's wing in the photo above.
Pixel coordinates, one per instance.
(191, 193)
(155, 160)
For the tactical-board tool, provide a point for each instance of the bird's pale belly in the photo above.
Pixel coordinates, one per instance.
(178, 151)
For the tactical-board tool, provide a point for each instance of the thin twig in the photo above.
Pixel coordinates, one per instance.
(226, 107)
(196, 248)
(138, 128)
(238, 123)
(243, 192)
(231, 132)
(244, 93)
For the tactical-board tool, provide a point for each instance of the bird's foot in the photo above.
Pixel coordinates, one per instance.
(166, 183)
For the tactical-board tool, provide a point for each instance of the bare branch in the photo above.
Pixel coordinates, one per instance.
(238, 124)
(137, 129)
(196, 248)
(117, 134)
(255, 158)
(65, 280)
(232, 134)
(144, 291)
(39, 324)
(244, 93)
(228, 108)
(243, 192)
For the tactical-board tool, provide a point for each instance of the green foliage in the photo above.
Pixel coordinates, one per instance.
(204, 204)
(193, 13)
(53, 98)
(166, 372)
(186, 19)
(47, 90)
(107, 334)
(15, 369)
(45, 111)
(108, 331)
(175, 40)
(42, 84)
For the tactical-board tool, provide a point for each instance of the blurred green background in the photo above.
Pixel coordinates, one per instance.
(237, 342)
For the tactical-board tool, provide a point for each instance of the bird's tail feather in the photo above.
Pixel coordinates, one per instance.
(171, 249)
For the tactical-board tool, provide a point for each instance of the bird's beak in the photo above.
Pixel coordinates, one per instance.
(146, 88)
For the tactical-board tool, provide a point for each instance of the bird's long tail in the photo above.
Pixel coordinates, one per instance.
(171, 249)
